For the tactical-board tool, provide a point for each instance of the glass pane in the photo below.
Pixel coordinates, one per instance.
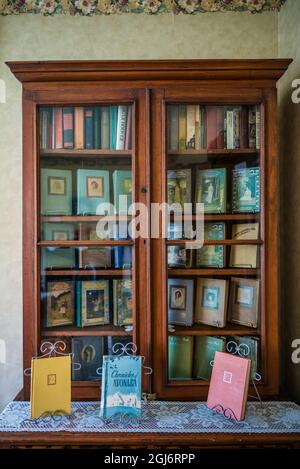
(214, 289)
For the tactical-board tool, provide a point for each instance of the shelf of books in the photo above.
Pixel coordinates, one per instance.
(213, 302)
(87, 258)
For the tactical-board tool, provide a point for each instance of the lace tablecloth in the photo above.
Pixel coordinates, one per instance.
(158, 417)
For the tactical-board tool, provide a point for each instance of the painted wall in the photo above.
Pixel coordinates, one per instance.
(289, 46)
(26, 37)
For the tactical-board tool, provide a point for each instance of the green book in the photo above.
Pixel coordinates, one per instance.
(211, 189)
(92, 191)
(56, 192)
(180, 352)
(246, 190)
(78, 304)
(212, 256)
(122, 184)
(246, 347)
(104, 134)
(205, 348)
(54, 257)
(97, 128)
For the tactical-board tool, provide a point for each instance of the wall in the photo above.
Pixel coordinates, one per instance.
(288, 43)
(26, 37)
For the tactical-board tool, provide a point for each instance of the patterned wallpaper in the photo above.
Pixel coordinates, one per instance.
(107, 7)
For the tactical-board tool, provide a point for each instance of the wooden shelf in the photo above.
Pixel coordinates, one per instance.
(77, 153)
(221, 217)
(104, 242)
(212, 272)
(87, 273)
(70, 331)
(83, 218)
(213, 242)
(215, 151)
(201, 329)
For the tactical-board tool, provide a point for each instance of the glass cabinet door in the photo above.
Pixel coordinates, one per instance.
(87, 256)
(213, 275)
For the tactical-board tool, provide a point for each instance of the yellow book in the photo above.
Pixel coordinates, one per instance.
(50, 386)
(182, 127)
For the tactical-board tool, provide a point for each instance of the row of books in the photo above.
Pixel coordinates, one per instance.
(93, 127)
(88, 303)
(211, 189)
(213, 127)
(192, 357)
(88, 352)
(212, 301)
(92, 188)
(243, 256)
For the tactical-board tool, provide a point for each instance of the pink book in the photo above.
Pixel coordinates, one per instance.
(58, 123)
(228, 389)
(128, 130)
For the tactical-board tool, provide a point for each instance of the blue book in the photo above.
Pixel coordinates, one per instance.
(113, 116)
(123, 257)
(92, 191)
(121, 392)
(97, 128)
(56, 192)
(89, 128)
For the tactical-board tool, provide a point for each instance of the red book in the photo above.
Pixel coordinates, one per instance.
(58, 126)
(220, 127)
(211, 127)
(128, 130)
(228, 389)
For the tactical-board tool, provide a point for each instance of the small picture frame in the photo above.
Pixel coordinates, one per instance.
(95, 186)
(177, 297)
(211, 302)
(211, 297)
(56, 185)
(60, 235)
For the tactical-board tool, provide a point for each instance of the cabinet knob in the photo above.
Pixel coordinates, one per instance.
(143, 190)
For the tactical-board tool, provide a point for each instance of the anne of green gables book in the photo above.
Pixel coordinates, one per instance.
(121, 392)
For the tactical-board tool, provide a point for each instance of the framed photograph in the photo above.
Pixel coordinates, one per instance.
(60, 235)
(244, 301)
(88, 351)
(211, 189)
(179, 256)
(211, 302)
(60, 303)
(94, 186)
(95, 302)
(177, 297)
(56, 185)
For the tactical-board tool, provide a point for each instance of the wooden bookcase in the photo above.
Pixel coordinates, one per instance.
(149, 87)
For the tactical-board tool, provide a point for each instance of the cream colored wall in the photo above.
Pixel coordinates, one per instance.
(289, 46)
(26, 37)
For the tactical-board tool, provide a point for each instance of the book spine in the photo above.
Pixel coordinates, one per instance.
(203, 127)
(68, 127)
(42, 129)
(236, 129)
(182, 128)
(229, 129)
(79, 128)
(173, 123)
(197, 128)
(112, 126)
(257, 127)
(252, 127)
(190, 126)
(89, 128)
(52, 128)
(78, 304)
(118, 252)
(220, 127)
(244, 127)
(97, 128)
(128, 137)
(104, 134)
(211, 127)
(121, 127)
(58, 119)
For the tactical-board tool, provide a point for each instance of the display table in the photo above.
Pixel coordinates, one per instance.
(163, 424)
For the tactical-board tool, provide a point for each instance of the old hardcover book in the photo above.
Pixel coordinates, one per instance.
(178, 256)
(245, 255)
(180, 357)
(220, 127)
(104, 133)
(62, 258)
(122, 185)
(123, 257)
(56, 192)
(179, 187)
(257, 127)
(229, 129)
(46, 118)
(180, 301)
(50, 386)
(244, 127)
(93, 303)
(97, 127)
(246, 190)
(121, 127)
(198, 124)
(212, 256)
(79, 128)
(243, 305)
(211, 302)
(190, 125)
(128, 136)
(229, 384)
(58, 127)
(92, 191)
(182, 127)
(94, 257)
(211, 189)
(60, 303)
(68, 127)
(211, 127)
(121, 391)
(88, 352)
(123, 302)
(113, 116)
(88, 128)
(252, 127)
(204, 354)
(247, 347)
(173, 126)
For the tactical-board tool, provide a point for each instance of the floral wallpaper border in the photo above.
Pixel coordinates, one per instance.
(107, 7)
